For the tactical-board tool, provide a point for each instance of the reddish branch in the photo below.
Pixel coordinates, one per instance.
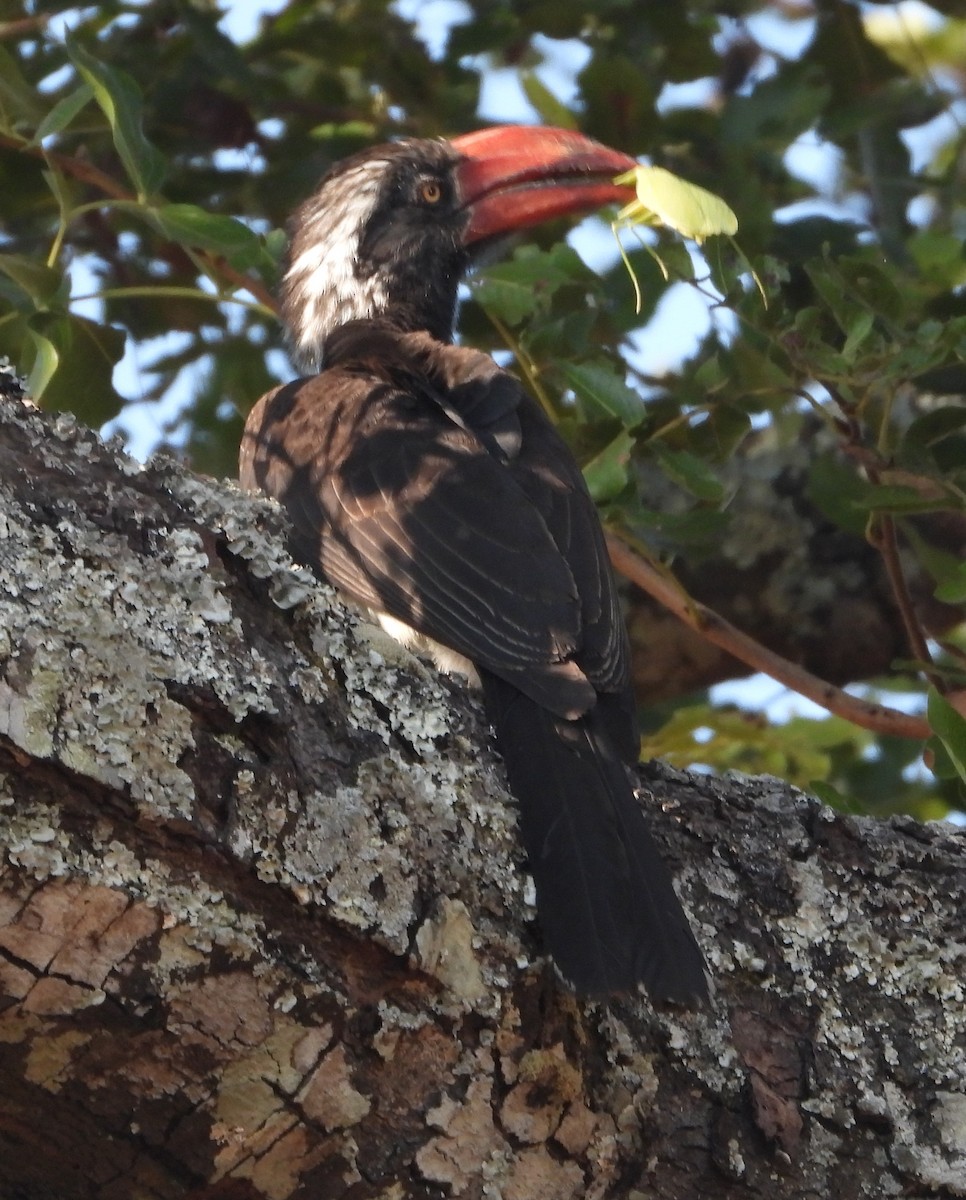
(21, 28)
(714, 628)
(79, 168)
(882, 535)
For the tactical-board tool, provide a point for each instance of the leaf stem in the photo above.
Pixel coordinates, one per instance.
(527, 365)
(189, 293)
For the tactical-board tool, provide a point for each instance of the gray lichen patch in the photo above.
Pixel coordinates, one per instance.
(386, 694)
(841, 1005)
(131, 655)
(93, 635)
(370, 851)
(881, 942)
(338, 851)
(108, 608)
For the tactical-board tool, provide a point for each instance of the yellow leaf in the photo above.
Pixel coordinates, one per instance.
(664, 199)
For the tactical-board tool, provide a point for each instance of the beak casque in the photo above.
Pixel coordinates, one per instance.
(512, 176)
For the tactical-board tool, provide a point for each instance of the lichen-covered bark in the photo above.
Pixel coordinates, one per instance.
(263, 931)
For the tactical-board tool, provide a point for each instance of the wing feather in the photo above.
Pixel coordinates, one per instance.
(408, 514)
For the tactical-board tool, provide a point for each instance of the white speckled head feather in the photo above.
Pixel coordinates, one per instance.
(321, 288)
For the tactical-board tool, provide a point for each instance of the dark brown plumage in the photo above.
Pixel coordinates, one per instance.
(427, 485)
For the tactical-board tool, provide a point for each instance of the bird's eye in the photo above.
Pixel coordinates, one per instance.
(430, 191)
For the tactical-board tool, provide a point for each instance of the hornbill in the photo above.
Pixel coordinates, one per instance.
(428, 486)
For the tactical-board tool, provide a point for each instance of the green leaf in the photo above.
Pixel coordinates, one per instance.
(939, 256)
(562, 337)
(606, 473)
(625, 309)
(952, 590)
(711, 375)
(691, 472)
(190, 225)
(552, 111)
(716, 437)
(45, 362)
(835, 488)
(925, 436)
(35, 281)
(837, 299)
(75, 365)
(618, 96)
(63, 112)
(510, 300)
(19, 103)
(859, 329)
(949, 725)
(830, 795)
(665, 199)
(937, 756)
(776, 110)
(63, 192)
(895, 498)
(945, 568)
(120, 100)
(872, 284)
(344, 131)
(602, 393)
(802, 751)
(276, 242)
(513, 291)
(700, 529)
(756, 368)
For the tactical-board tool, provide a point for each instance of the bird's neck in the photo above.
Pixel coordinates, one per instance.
(313, 325)
(323, 291)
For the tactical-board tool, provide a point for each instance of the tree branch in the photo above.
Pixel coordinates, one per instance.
(720, 632)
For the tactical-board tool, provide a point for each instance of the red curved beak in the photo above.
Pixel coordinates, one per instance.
(514, 176)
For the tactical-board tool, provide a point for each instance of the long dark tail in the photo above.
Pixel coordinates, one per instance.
(608, 910)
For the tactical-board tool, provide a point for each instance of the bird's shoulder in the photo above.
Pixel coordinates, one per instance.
(458, 384)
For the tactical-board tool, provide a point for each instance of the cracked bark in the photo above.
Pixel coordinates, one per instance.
(263, 931)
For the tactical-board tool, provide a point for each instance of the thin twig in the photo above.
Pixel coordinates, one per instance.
(714, 628)
(79, 168)
(23, 27)
(881, 534)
